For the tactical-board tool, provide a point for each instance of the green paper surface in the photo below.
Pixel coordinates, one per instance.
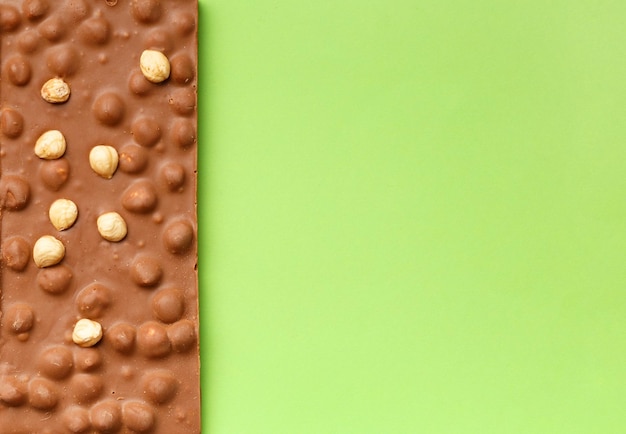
(413, 216)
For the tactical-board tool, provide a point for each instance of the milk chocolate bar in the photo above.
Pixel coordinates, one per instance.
(98, 240)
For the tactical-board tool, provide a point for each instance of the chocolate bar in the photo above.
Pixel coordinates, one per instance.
(98, 158)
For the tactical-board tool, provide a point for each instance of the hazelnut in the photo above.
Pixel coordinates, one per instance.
(154, 65)
(87, 333)
(63, 213)
(103, 160)
(112, 226)
(55, 91)
(50, 145)
(48, 251)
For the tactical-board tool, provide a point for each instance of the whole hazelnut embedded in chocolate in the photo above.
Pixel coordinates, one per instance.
(103, 160)
(50, 145)
(48, 251)
(63, 214)
(87, 333)
(112, 226)
(55, 91)
(154, 65)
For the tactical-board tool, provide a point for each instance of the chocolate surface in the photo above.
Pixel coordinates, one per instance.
(138, 280)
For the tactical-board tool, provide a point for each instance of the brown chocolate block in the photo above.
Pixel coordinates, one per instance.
(98, 239)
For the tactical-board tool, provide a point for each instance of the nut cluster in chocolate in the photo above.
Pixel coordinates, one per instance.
(98, 238)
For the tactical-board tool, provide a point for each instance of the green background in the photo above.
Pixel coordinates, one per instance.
(413, 216)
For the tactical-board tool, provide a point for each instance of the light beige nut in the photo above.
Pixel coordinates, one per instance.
(55, 91)
(50, 145)
(48, 251)
(103, 160)
(63, 214)
(154, 65)
(112, 226)
(87, 333)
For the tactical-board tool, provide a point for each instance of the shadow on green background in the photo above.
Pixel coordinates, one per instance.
(413, 216)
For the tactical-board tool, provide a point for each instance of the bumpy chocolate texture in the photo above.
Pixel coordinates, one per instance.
(142, 376)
